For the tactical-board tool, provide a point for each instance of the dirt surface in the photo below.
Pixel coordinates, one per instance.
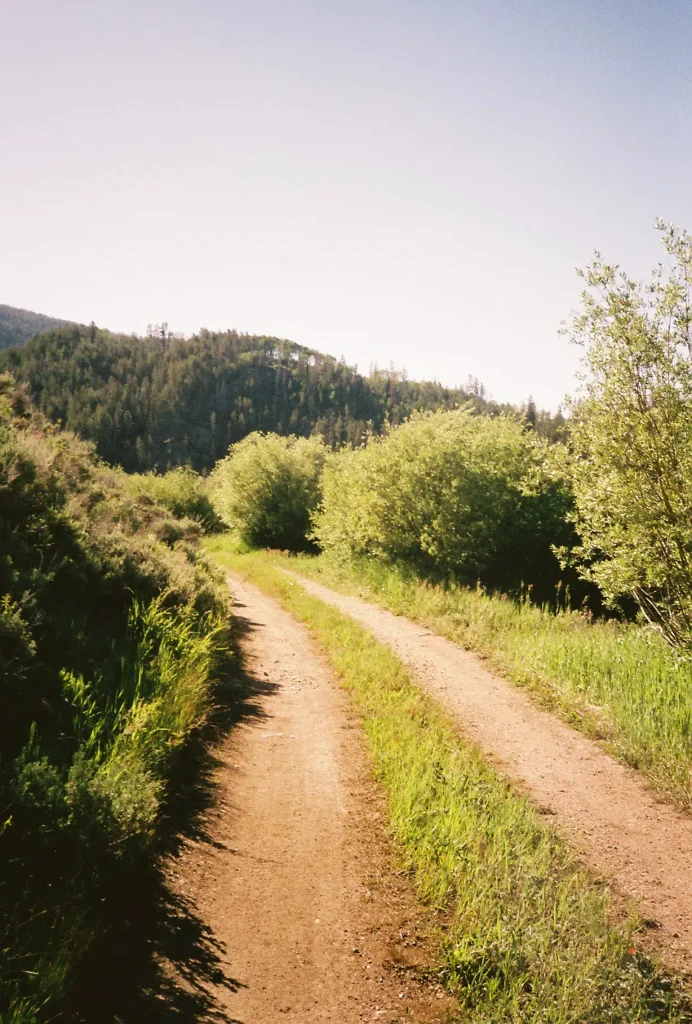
(298, 881)
(642, 846)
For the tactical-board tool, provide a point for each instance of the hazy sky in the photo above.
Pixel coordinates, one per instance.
(391, 180)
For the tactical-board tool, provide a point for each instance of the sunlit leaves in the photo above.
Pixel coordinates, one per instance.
(631, 436)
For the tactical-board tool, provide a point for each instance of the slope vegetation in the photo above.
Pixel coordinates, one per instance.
(18, 325)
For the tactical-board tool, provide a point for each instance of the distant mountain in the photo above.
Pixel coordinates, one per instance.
(18, 325)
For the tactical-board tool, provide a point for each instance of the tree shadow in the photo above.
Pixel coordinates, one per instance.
(161, 963)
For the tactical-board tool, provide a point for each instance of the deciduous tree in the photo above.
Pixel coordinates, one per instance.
(631, 436)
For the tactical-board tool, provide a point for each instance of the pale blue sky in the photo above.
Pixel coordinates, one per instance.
(392, 180)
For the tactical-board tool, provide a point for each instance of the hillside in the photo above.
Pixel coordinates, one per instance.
(153, 403)
(18, 325)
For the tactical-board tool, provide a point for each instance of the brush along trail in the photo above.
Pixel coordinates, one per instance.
(640, 845)
(298, 882)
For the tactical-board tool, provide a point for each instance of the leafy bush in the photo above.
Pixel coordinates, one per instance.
(181, 491)
(267, 489)
(453, 495)
(111, 633)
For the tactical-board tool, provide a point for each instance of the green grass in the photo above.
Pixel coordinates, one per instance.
(531, 937)
(81, 833)
(618, 683)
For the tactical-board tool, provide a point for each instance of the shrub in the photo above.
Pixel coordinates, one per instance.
(451, 494)
(181, 491)
(267, 488)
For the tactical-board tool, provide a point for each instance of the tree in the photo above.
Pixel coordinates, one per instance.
(631, 436)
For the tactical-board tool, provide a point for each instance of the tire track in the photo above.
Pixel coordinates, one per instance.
(640, 844)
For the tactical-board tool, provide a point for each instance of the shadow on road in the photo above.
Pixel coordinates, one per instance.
(161, 963)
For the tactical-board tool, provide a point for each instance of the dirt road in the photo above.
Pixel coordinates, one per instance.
(643, 846)
(298, 882)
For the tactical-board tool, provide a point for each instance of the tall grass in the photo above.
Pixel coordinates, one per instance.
(620, 683)
(86, 818)
(531, 937)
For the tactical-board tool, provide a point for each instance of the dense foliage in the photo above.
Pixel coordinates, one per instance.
(267, 489)
(181, 491)
(154, 403)
(110, 636)
(18, 325)
(631, 437)
(452, 495)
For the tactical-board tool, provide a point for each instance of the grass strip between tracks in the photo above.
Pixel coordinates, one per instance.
(532, 937)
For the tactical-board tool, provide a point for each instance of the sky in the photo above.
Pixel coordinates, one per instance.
(406, 182)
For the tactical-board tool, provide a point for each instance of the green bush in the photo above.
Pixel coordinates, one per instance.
(181, 491)
(111, 633)
(268, 487)
(453, 495)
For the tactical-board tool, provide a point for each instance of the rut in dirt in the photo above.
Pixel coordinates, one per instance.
(298, 882)
(641, 845)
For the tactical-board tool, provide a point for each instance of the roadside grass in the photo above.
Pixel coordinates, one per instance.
(619, 683)
(114, 635)
(82, 834)
(532, 937)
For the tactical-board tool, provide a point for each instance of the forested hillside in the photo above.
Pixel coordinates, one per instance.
(18, 325)
(153, 403)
